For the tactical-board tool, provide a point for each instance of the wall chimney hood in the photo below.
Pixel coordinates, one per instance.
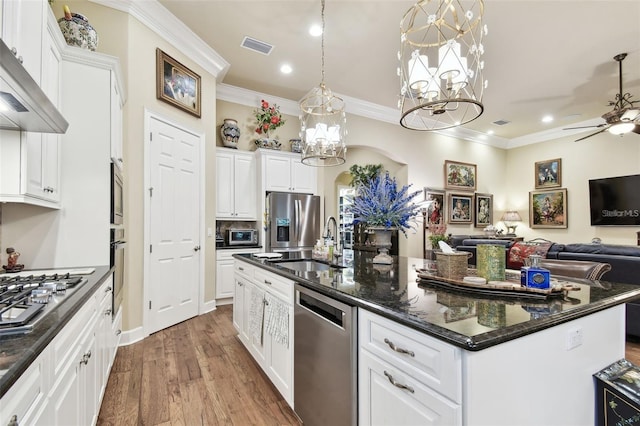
(23, 104)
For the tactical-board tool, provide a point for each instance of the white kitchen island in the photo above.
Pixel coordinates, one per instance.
(433, 356)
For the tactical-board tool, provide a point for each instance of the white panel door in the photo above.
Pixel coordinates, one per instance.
(174, 259)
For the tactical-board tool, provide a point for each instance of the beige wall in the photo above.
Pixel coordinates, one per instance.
(599, 156)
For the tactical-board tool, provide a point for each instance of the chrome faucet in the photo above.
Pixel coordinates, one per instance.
(337, 252)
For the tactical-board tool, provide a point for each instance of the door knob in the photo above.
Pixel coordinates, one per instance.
(196, 248)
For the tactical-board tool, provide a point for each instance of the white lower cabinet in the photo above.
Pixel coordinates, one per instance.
(65, 385)
(224, 271)
(275, 358)
(26, 402)
(406, 377)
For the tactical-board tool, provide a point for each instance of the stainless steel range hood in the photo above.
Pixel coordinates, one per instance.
(23, 104)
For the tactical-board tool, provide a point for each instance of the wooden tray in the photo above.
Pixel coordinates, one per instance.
(508, 288)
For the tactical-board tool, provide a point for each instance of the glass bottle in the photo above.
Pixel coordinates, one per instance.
(536, 276)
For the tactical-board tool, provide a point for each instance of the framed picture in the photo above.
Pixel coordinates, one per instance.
(434, 199)
(483, 213)
(461, 176)
(548, 208)
(548, 173)
(177, 84)
(460, 208)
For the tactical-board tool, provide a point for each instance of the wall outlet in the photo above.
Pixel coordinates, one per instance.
(574, 338)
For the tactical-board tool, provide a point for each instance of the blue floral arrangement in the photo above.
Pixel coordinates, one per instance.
(380, 204)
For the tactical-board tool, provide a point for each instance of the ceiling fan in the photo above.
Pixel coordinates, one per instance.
(624, 117)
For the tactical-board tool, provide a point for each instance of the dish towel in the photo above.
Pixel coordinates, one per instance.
(256, 313)
(276, 323)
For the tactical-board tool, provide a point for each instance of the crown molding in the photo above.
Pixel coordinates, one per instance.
(158, 19)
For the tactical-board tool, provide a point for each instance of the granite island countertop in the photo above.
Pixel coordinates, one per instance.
(17, 352)
(470, 321)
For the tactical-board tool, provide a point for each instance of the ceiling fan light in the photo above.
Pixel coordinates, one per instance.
(621, 128)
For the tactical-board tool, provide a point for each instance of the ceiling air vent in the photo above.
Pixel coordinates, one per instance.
(501, 122)
(256, 45)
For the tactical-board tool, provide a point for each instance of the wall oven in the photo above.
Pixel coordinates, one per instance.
(117, 196)
(118, 245)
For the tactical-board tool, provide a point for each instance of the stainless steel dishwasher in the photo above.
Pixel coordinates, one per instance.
(325, 360)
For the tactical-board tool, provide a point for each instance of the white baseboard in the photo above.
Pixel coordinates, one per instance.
(132, 336)
(208, 306)
(226, 301)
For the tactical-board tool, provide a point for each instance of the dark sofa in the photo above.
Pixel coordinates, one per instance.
(624, 261)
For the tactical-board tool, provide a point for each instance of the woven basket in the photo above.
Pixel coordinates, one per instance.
(452, 265)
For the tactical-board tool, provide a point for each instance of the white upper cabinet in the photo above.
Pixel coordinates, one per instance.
(284, 172)
(30, 162)
(235, 184)
(23, 30)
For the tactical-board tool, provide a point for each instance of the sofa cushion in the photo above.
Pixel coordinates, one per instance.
(476, 241)
(576, 268)
(521, 250)
(612, 249)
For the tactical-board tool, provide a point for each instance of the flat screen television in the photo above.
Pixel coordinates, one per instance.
(615, 201)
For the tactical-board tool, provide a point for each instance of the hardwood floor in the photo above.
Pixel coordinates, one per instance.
(198, 373)
(194, 373)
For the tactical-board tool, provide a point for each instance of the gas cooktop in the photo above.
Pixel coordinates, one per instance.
(25, 298)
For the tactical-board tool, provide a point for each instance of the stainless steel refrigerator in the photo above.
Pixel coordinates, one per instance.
(294, 221)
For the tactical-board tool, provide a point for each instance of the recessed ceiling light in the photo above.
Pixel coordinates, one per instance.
(315, 30)
(547, 119)
(286, 69)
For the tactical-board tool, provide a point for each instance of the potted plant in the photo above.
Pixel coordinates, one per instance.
(382, 207)
(268, 118)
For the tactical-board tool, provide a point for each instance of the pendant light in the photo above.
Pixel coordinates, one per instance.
(323, 124)
(441, 64)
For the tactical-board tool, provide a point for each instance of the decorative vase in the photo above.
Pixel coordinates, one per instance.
(381, 238)
(268, 143)
(230, 133)
(296, 145)
(78, 32)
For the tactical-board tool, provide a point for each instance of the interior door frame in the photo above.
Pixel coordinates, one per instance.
(148, 116)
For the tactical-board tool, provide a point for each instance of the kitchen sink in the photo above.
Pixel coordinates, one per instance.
(305, 265)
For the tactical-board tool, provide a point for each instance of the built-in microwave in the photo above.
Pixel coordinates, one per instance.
(117, 196)
(242, 237)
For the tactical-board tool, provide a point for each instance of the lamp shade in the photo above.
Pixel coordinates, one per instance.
(511, 216)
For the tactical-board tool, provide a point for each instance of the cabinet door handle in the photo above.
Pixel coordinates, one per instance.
(267, 282)
(240, 268)
(397, 349)
(196, 248)
(107, 290)
(13, 421)
(396, 384)
(240, 284)
(118, 332)
(107, 312)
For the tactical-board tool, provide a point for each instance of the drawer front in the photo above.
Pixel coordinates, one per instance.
(434, 363)
(227, 254)
(278, 285)
(244, 269)
(67, 341)
(389, 396)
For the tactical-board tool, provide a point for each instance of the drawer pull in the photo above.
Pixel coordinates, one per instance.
(397, 349)
(240, 268)
(240, 284)
(396, 384)
(267, 282)
(107, 290)
(13, 421)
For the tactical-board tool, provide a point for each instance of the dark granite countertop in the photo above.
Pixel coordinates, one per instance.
(19, 351)
(225, 247)
(470, 321)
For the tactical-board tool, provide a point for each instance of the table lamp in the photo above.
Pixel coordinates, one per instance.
(509, 218)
